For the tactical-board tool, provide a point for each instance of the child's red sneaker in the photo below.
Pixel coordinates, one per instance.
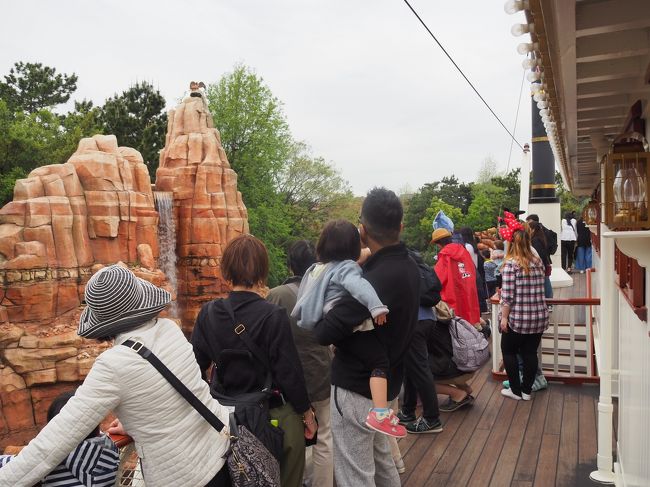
(386, 424)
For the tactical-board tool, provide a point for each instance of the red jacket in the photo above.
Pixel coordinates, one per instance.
(456, 272)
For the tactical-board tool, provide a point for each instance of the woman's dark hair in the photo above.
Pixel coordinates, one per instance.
(485, 253)
(301, 255)
(536, 232)
(567, 217)
(58, 403)
(468, 237)
(339, 240)
(245, 261)
(381, 216)
(498, 244)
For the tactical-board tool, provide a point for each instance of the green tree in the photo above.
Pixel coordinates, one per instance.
(257, 141)
(484, 209)
(31, 87)
(568, 201)
(138, 119)
(511, 184)
(254, 131)
(436, 205)
(415, 207)
(312, 190)
(452, 191)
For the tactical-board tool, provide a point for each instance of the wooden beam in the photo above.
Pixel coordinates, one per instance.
(612, 45)
(611, 16)
(612, 87)
(618, 100)
(628, 67)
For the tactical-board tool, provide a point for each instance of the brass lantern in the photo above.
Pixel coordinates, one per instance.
(590, 212)
(626, 184)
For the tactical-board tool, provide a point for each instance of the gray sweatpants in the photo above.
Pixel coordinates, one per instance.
(362, 457)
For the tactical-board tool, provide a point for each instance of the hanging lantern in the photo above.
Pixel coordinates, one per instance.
(625, 184)
(590, 213)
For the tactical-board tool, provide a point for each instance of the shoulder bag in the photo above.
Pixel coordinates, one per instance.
(249, 462)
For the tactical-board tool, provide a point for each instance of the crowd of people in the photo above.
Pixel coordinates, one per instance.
(313, 367)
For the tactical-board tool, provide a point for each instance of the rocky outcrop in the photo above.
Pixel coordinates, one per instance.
(208, 208)
(65, 222)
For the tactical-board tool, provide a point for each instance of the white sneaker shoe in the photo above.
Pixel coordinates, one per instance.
(510, 394)
(525, 397)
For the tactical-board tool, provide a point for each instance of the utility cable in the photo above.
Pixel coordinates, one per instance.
(462, 73)
(514, 129)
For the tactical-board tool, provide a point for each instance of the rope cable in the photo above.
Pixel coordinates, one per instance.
(462, 73)
(514, 129)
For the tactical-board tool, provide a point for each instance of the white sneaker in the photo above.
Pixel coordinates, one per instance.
(525, 397)
(510, 394)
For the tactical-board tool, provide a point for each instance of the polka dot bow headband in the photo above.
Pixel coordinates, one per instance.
(512, 225)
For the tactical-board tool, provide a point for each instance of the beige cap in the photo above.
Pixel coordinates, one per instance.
(439, 234)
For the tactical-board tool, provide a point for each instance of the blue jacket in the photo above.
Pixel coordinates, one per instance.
(324, 284)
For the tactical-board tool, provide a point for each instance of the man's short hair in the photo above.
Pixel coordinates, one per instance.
(302, 254)
(381, 215)
(533, 217)
(245, 261)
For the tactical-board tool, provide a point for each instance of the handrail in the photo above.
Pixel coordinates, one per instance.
(569, 301)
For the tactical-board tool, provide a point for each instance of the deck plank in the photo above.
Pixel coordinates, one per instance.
(587, 438)
(547, 463)
(568, 455)
(553, 424)
(488, 460)
(527, 461)
(465, 465)
(510, 451)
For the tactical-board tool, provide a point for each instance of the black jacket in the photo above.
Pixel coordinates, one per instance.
(396, 279)
(268, 326)
(540, 246)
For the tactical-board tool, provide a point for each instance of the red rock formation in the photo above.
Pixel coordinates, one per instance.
(65, 222)
(208, 208)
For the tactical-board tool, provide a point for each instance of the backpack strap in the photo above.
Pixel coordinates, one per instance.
(258, 353)
(175, 382)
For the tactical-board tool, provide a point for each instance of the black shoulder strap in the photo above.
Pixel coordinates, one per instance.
(188, 395)
(258, 353)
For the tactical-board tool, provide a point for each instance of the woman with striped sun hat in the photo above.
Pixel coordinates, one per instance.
(175, 444)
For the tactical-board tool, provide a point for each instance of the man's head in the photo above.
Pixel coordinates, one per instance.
(301, 255)
(381, 218)
(533, 218)
(441, 237)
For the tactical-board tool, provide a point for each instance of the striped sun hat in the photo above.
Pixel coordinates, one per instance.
(118, 301)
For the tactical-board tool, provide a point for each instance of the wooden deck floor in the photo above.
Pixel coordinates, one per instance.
(497, 442)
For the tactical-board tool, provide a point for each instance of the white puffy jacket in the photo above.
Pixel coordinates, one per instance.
(177, 446)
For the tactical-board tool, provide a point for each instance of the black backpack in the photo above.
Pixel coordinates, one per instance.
(551, 241)
(430, 286)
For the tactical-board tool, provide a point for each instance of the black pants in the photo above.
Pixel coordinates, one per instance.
(222, 479)
(568, 247)
(418, 379)
(513, 343)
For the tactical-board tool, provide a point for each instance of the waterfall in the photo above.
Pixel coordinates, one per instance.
(167, 241)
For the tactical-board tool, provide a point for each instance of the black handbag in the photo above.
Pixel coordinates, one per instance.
(249, 462)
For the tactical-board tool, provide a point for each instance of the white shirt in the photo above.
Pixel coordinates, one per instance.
(568, 232)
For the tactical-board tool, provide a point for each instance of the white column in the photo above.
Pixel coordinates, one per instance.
(608, 319)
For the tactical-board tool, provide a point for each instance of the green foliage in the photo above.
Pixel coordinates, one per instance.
(312, 190)
(436, 205)
(511, 184)
(415, 208)
(31, 87)
(483, 211)
(254, 131)
(452, 191)
(7, 182)
(138, 119)
(568, 201)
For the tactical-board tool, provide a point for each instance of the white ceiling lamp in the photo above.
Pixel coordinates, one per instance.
(531, 63)
(521, 29)
(534, 76)
(542, 104)
(514, 6)
(527, 47)
(539, 96)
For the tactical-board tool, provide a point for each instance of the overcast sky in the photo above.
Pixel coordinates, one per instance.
(361, 80)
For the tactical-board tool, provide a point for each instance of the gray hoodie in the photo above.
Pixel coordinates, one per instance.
(323, 284)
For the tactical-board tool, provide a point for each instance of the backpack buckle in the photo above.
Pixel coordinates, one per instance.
(239, 329)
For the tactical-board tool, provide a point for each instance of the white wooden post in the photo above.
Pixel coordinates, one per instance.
(608, 319)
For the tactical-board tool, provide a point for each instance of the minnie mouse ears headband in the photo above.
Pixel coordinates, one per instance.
(512, 225)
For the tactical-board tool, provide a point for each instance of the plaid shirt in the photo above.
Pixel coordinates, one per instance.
(525, 296)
